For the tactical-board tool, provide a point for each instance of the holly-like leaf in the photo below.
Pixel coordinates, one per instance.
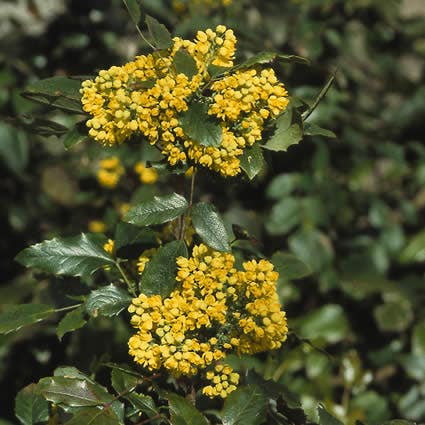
(58, 92)
(159, 33)
(289, 266)
(252, 160)
(200, 126)
(326, 418)
(73, 392)
(17, 316)
(288, 132)
(183, 412)
(71, 321)
(143, 403)
(159, 276)
(245, 406)
(107, 301)
(76, 135)
(184, 63)
(159, 210)
(74, 256)
(30, 407)
(95, 416)
(210, 226)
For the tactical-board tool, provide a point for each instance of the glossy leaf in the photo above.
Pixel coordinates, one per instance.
(210, 226)
(13, 318)
(73, 392)
(107, 301)
(200, 126)
(159, 276)
(159, 210)
(184, 412)
(74, 256)
(71, 321)
(244, 406)
(30, 407)
(94, 416)
(288, 132)
(252, 161)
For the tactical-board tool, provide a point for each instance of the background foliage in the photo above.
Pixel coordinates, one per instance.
(351, 208)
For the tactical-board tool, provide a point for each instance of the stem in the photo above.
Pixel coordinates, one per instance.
(320, 96)
(70, 307)
(126, 279)
(183, 219)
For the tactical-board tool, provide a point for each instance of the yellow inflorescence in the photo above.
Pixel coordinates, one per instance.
(147, 97)
(147, 175)
(109, 246)
(214, 310)
(97, 226)
(110, 171)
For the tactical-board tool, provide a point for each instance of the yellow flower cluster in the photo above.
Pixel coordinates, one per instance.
(147, 175)
(109, 246)
(110, 171)
(97, 226)
(214, 310)
(147, 97)
(223, 381)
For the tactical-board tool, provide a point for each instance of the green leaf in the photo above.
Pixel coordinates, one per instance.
(414, 251)
(159, 276)
(72, 372)
(107, 301)
(259, 58)
(94, 416)
(31, 407)
(394, 316)
(159, 210)
(74, 256)
(133, 7)
(183, 412)
(73, 392)
(284, 216)
(124, 382)
(328, 322)
(289, 131)
(418, 339)
(14, 150)
(282, 185)
(76, 135)
(184, 63)
(315, 130)
(289, 266)
(143, 403)
(58, 92)
(326, 418)
(200, 126)
(252, 160)
(319, 97)
(398, 422)
(17, 316)
(210, 226)
(71, 321)
(293, 59)
(159, 33)
(129, 238)
(244, 406)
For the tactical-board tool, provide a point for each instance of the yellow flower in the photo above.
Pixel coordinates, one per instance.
(146, 175)
(109, 246)
(97, 226)
(110, 171)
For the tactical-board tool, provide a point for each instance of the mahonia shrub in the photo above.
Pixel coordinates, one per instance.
(188, 317)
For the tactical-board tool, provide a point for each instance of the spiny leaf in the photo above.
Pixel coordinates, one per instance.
(17, 316)
(210, 226)
(200, 126)
(157, 211)
(107, 301)
(159, 276)
(74, 256)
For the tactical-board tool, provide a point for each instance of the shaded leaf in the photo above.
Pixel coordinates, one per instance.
(288, 132)
(31, 407)
(144, 403)
(252, 160)
(73, 392)
(200, 126)
(123, 381)
(107, 301)
(159, 210)
(130, 235)
(184, 63)
(284, 216)
(159, 276)
(159, 33)
(183, 412)
(244, 406)
(414, 251)
(17, 316)
(326, 418)
(74, 256)
(71, 321)
(76, 135)
(289, 266)
(72, 372)
(315, 130)
(13, 148)
(210, 226)
(94, 416)
(133, 7)
(393, 316)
